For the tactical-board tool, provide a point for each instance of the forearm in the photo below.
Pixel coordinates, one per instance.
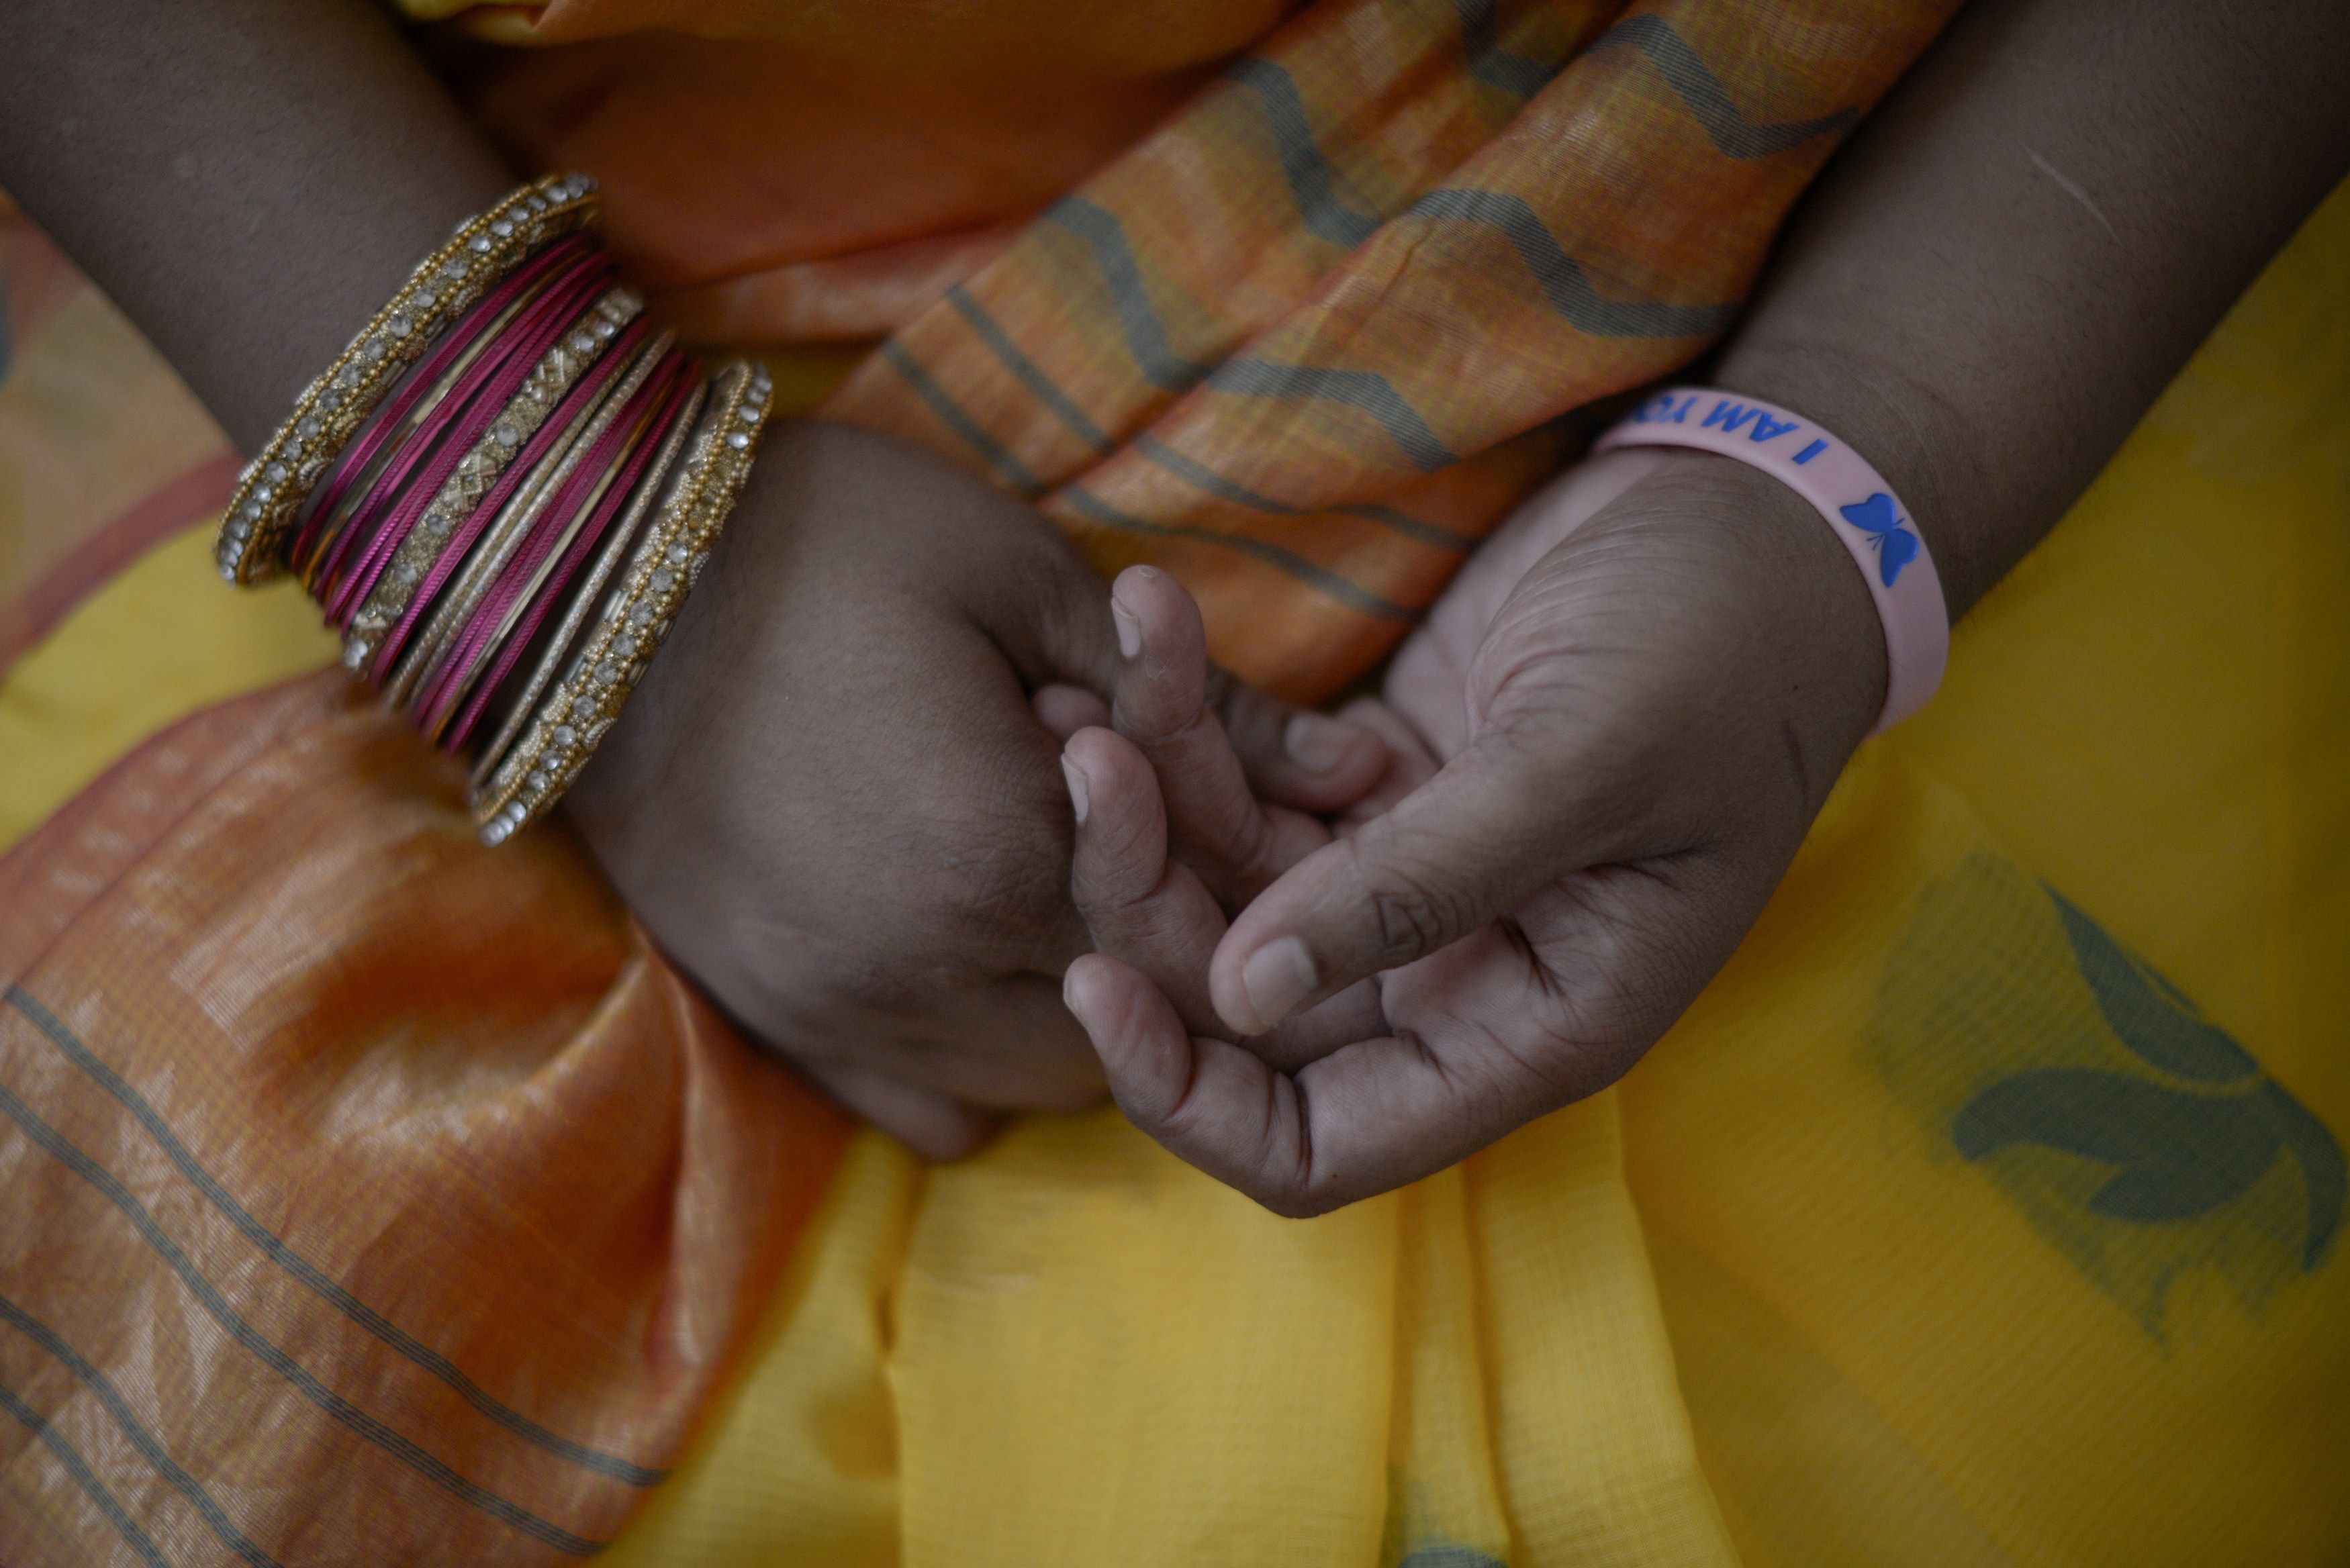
(248, 179)
(2024, 245)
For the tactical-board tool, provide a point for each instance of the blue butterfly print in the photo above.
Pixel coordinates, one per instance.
(1895, 546)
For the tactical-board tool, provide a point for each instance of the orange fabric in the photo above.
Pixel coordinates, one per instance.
(317, 1102)
(734, 139)
(1301, 344)
(1306, 343)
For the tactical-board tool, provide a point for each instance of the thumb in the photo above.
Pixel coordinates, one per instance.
(1471, 843)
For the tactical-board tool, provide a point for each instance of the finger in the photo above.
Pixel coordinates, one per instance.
(1043, 605)
(1215, 824)
(1288, 755)
(1373, 1116)
(1156, 915)
(1472, 842)
(1545, 1007)
(932, 1125)
(1064, 710)
(1295, 756)
(1413, 764)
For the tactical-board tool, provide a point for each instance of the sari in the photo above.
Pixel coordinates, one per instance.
(377, 1195)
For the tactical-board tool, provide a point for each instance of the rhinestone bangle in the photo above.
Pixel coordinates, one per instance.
(330, 541)
(550, 380)
(547, 571)
(330, 411)
(608, 556)
(576, 714)
(463, 593)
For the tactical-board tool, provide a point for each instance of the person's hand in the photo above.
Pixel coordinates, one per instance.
(834, 799)
(1639, 693)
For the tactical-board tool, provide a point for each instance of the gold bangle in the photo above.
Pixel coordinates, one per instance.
(550, 380)
(525, 602)
(497, 551)
(330, 411)
(461, 596)
(362, 485)
(579, 711)
(608, 556)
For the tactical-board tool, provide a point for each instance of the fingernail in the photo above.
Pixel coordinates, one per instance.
(1078, 798)
(1315, 743)
(1277, 977)
(1130, 628)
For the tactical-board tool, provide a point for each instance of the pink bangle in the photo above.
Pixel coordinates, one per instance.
(1853, 496)
(478, 331)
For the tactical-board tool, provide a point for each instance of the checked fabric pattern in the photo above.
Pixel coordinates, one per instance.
(1306, 343)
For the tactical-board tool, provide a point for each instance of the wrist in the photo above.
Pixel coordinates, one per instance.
(1818, 646)
(1909, 429)
(1858, 505)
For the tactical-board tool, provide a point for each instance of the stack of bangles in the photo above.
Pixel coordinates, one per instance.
(501, 492)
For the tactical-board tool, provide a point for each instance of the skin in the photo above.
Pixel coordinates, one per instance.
(1621, 721)
(833, 801)
(1986, 291)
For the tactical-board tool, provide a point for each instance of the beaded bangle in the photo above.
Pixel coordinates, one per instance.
(525, 473)
(549, 561)
(411, 555)
(410, 420)
(505, 470)
(330, 411)
(612, 550)
(341, 573)
(480, 604)
(579, 711)
(461, 591)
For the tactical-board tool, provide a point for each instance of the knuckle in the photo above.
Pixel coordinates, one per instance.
(863, 981)
(1283, 1205)
(1291, 1203)
(998, 880)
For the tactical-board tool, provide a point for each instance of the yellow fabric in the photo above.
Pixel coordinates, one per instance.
(1775, 1299)
(92, 420)
(156, 643)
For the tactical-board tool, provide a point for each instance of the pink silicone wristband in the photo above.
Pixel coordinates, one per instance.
(1853, 496)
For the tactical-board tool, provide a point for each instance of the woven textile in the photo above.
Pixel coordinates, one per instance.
(1312, 339)
(316, 1192)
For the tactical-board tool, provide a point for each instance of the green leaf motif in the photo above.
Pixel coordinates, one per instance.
(2147, 1012)
(2181, 1152)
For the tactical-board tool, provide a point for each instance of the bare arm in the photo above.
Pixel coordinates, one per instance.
(248, 179)
(2030, 238)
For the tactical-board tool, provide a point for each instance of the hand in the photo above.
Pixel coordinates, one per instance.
(1640, 694)
(832, 802)
(1166, 779)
